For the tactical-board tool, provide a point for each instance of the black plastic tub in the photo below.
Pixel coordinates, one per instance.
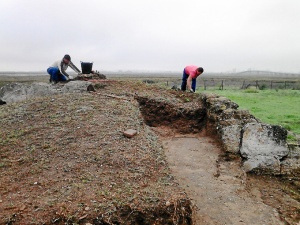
(86, 67)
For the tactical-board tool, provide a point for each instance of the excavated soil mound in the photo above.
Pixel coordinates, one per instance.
(64, 160)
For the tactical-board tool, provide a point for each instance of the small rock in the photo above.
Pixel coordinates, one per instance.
(83, 217)
(223, 167)
(130, 133)
(168, 203)
(91, 88)
(35, 183)
(87, 208)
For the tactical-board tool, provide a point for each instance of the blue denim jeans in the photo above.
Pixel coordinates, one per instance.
(184, 82)
(55, 74)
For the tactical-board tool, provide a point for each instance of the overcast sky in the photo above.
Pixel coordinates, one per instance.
(152, 35)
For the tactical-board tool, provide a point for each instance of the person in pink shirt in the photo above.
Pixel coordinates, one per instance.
(190, 74)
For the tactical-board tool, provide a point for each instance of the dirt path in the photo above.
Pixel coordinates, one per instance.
(216, 187)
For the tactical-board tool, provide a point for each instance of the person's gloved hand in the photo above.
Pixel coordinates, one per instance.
(191, 90)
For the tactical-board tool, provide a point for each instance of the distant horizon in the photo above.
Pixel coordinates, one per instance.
(158, 71)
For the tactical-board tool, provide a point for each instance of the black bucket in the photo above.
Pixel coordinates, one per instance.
(86, 67)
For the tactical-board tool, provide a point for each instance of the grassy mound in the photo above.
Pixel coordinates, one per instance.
(64, 160)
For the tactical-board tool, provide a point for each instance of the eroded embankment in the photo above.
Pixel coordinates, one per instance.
(184, 118)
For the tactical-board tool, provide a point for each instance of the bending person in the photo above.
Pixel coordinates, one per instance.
(190, 74)
(57, 70)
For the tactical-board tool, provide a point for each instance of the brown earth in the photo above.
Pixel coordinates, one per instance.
(221, 191)
(64, 160)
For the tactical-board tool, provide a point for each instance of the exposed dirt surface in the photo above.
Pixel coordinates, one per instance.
(217, 188)
(64, 160)
(188, 119)
(282, 194)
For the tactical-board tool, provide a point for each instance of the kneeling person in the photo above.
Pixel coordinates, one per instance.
(190, 74)
(57, 70)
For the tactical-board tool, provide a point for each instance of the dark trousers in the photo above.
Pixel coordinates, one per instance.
(184, 82)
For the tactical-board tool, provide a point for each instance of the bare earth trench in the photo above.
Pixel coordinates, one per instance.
(216, 187)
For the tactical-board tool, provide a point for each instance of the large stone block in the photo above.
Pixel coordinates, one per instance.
(294, 151)
(219, 104)
(75, 86)
(15, 92)
(231, 136)
(264, 164)
(291, 167)
(263, 146)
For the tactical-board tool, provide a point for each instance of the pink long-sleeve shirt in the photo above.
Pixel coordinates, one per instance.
(191, 71)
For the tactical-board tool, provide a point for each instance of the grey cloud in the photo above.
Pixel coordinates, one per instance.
(151, 35)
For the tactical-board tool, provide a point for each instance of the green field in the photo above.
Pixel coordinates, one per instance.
(280, 107)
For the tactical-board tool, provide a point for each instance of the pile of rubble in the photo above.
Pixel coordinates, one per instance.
(95, 75)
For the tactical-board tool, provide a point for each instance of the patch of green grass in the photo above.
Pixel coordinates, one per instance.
(280, 107)
(291, 138)
(251, 91)
(3, 83)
